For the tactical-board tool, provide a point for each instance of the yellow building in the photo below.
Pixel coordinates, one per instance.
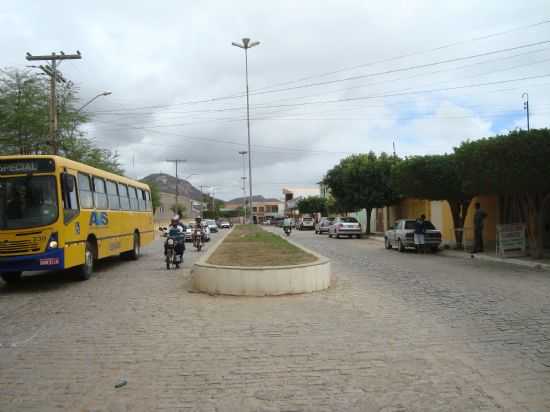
(439, 213)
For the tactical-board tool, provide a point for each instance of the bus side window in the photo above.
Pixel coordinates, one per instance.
(133, 198)
(100, 197)
(70, 199)
(148, 195)
(142, 200)
(85, 191)
(123, 194)
(112, 194)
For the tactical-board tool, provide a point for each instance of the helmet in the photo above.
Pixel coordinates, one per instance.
(175, 219)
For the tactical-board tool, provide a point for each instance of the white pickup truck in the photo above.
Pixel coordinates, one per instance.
(401, 235)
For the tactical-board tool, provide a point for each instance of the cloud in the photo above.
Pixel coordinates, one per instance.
(164, 60)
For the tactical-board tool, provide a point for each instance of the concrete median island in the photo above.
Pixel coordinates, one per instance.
(253, 262)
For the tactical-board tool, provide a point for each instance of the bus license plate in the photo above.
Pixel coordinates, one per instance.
(49, 261)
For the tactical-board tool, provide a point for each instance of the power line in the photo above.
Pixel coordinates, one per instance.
(408, 68)
(402, 93)
(260, 106)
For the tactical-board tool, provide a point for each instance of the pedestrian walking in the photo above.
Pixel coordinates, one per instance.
(419, 231)
(479, 218)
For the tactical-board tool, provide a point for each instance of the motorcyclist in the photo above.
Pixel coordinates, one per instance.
(177, 232)
(197, 229)
(287, 224)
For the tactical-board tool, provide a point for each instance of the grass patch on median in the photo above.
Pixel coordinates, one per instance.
(250, 245)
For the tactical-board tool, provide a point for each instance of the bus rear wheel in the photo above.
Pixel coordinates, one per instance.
(135, 253)
(11, 277)
(87, 269)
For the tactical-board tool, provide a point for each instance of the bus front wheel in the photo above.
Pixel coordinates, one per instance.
(11, 277)
(85, 271)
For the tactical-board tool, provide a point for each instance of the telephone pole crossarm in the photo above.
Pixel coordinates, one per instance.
(55, 76)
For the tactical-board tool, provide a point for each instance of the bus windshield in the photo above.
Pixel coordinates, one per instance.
(27, 201)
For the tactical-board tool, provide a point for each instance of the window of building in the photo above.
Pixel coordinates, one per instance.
(85, 191)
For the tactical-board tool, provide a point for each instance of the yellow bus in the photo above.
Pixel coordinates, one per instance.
(56, 213)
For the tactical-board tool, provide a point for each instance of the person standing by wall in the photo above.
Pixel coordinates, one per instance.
(419, 231)
(479, 218)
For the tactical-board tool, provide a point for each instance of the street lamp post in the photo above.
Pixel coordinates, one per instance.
(526, 107)
(243, 178)
(93, 99)
(246, 44)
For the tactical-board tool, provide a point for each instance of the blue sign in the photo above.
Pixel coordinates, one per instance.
(99, 219)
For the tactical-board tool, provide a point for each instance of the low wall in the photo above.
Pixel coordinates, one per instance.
(261, 281)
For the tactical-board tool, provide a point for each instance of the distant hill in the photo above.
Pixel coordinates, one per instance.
(167, 184)
(257, 198)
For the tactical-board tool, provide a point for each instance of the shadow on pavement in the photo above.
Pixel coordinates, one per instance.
(39, 282)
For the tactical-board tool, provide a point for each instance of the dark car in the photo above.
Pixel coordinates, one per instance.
(401, 235)
(322, 226)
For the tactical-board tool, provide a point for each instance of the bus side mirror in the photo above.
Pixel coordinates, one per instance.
(68, 182)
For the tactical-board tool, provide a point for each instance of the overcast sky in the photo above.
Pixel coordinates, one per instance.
(329, 78)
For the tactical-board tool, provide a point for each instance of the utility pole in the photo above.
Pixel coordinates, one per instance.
(202, 198)
(177, 161)
(51, 71)
(243, 178)
(247, 44)
(526, 107)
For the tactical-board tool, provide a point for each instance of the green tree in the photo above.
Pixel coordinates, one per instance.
(155, 195)
(362, 182)
(516, 167)
(24, 121)
(436, 177)
(313, 204)
(179, 209)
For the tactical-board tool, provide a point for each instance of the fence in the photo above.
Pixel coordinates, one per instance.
(511, 240)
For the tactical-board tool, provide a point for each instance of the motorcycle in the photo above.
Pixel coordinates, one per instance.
(172, 259)
(287, 230)
(197, 240)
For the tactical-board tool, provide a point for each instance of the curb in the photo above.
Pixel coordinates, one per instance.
(509, 261)
(261, 280)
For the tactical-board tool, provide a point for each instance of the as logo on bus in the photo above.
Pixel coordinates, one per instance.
(99, 219)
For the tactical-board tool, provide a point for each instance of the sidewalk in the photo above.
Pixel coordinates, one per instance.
(526, 261)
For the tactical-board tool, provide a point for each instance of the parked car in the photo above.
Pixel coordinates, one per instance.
(224, 224)
(323, 225)
(211, 225)
(306, 223)
(401, 235)
(345, 226)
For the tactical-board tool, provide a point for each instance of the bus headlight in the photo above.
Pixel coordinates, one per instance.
(53, 242)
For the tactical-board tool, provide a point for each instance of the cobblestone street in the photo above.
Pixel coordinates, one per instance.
(396, 332)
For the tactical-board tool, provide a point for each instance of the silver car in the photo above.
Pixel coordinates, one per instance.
(345, 226)
(323, 225)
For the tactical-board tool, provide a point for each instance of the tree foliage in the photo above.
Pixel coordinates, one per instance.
(24, 121)
(313, 204)
(179, 210)
(362, 181)
(435, 177)
(155, 195)
(516, 167)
